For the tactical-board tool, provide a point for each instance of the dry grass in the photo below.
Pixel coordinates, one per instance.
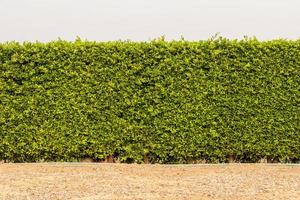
(90, 181)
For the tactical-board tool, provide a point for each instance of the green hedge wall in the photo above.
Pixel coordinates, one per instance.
(170, 102)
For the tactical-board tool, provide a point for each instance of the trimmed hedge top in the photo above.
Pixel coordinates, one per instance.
(172, 102)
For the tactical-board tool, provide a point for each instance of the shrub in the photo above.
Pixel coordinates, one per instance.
(174, 102)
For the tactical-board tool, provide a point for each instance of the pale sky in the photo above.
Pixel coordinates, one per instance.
(102, 20)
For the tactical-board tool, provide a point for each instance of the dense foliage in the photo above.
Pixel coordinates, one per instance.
(171, 102)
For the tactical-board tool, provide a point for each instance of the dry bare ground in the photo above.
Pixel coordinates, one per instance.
(91, 181)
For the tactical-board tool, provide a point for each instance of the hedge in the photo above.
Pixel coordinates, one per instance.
(166, 102)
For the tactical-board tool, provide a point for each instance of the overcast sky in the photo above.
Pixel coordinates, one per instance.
(102, 20)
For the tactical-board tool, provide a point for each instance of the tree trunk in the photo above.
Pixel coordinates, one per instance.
(109, 159)
(146, 159)
(231, 159)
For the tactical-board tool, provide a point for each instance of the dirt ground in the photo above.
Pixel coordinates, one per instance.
(91, 181)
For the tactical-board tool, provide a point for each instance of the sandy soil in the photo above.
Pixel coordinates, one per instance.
(90, 181)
